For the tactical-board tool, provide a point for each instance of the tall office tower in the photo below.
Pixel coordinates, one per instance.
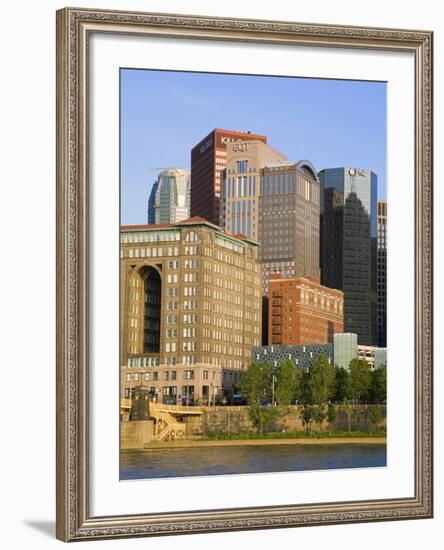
(289, 206)
(382, 274)
(302, 311)
(190, 309)
(208, 162)
(348, 245)
(172, 196)
(151, 211)
(241, 186)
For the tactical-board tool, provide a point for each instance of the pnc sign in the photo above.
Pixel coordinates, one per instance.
(357, 172)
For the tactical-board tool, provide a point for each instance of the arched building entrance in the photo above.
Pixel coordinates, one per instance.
(152, 304)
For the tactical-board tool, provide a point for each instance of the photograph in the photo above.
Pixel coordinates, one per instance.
(244, 273)
(253, 274)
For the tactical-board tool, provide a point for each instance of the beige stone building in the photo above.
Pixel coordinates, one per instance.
(241, 191)
(275, 202)
(190, 306)
(289, 210)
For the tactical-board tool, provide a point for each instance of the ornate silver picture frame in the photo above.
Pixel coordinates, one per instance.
(74, 210)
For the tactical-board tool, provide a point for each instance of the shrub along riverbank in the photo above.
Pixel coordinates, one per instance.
(294, 435)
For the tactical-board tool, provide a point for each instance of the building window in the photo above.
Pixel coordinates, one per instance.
(242, 166)
(190, 250)
(205, 375)
(191, 237)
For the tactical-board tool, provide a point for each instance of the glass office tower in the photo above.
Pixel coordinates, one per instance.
(349, 245)
(382, 274)
(152, 203)
(171, 197)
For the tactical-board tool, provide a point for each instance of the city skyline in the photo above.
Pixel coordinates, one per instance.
(165, 113)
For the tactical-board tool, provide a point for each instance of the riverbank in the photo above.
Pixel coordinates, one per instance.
(195, 443)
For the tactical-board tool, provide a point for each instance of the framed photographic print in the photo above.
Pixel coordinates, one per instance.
(244, 274)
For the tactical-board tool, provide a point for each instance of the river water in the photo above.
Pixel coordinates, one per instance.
(161, 463)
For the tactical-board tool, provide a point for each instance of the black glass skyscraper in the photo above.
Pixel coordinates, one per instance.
(348, 245)
(152, 203)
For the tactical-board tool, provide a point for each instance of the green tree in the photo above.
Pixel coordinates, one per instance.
(360, 379)
(288, 379)
(342, 384)
(262, 416)
(307, 417)
(376, 416)
(378, 385)
(255, 386)
(320, 382)
(255, 383)
(319, 415)
(347, 408)
(331, 416)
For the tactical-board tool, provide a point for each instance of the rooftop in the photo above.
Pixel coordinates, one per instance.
(195, 220)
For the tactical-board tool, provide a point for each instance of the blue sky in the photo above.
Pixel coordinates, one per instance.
(164, 114)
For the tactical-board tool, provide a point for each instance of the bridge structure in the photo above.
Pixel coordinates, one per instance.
(168, 419)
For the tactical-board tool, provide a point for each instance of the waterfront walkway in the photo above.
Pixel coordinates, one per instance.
(188, 443)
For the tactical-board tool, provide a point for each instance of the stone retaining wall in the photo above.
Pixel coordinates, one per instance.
(230, 420)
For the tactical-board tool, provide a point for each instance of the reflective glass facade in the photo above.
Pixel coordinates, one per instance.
(349, 245)
(172, 198)
(289, 221)
(382, 274)
(152, 204)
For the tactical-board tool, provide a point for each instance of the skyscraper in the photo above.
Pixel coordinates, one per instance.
(208, 162)
(241, 185)
(348, 245)
(152, 203)
(382, 274)
(171, 197)
(289, 207)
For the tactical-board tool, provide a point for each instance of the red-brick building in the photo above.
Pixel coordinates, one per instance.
(302, 311)
(208, 162)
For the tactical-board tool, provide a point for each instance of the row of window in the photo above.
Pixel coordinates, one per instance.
(166, 375)
(240, 186)
(150, 236)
